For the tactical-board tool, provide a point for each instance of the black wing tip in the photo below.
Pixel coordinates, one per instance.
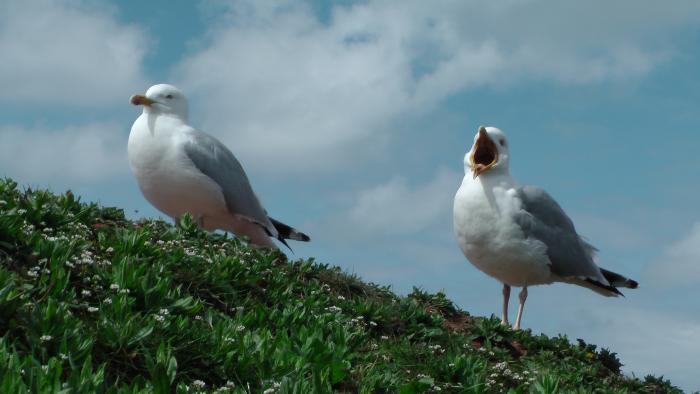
(616, 279)
(285, 244)
(612, 289)
(302, 237)
(288, 232)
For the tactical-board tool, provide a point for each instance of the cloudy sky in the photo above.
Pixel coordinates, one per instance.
(352, 120)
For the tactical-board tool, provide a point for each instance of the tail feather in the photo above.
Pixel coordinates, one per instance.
(610, 290)
(600, 288)
(288, 232)
(618, 280)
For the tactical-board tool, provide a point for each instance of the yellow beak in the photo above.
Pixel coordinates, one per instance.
(139, 99)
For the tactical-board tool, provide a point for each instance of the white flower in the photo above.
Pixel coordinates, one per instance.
(341, 298)
(114, 286)
(199, 384)
(107, 300)
(92, 309)
(110, 250)
(373, 324)
(240, 327)
(384, 337)
(164, 312)
(86, 293)
(45, 338)
(159, 318)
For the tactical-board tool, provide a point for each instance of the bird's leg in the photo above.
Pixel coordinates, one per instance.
(506, 297)
(522, 296)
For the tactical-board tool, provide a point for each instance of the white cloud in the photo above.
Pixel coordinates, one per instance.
(396, 208)
(87, 153)
(680, 263)
(67, 53)
(291, 91)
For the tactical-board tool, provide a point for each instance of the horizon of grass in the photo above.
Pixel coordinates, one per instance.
(93, 302)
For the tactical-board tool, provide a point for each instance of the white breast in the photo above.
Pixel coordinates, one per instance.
(490, 239)
(166, 176)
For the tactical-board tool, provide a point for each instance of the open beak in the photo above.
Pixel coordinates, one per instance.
(139, 99)
(484, 153)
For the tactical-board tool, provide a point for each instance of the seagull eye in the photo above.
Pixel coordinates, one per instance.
(502, 142)
(170, 96)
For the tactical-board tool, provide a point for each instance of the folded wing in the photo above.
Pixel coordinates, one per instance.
(213, 159)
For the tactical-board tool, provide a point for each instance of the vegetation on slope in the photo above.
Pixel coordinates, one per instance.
(91, 302)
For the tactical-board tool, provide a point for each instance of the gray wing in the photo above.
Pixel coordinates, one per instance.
(212, 158)
(543, 219)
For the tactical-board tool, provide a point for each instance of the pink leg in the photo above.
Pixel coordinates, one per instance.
(506, 297)
(522, 296)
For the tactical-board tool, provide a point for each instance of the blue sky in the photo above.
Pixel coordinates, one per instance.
(352, 120)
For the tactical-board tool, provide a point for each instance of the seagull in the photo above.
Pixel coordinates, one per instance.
(518, 234)
(180, 169)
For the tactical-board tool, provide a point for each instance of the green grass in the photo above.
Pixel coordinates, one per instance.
(92, 302)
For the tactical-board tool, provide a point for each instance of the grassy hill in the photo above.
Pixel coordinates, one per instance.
(92, 302)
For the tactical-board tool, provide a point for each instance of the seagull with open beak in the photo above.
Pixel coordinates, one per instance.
(518, 234)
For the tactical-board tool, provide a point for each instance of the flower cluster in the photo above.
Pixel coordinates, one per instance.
(501, 371)
(273, 388)
(161, 315)
(437, 349)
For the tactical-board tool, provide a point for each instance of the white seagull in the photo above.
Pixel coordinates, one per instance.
(180, 169)
(519, 234)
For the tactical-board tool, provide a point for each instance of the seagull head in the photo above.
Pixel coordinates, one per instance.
(162, 99)
(489, 152)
